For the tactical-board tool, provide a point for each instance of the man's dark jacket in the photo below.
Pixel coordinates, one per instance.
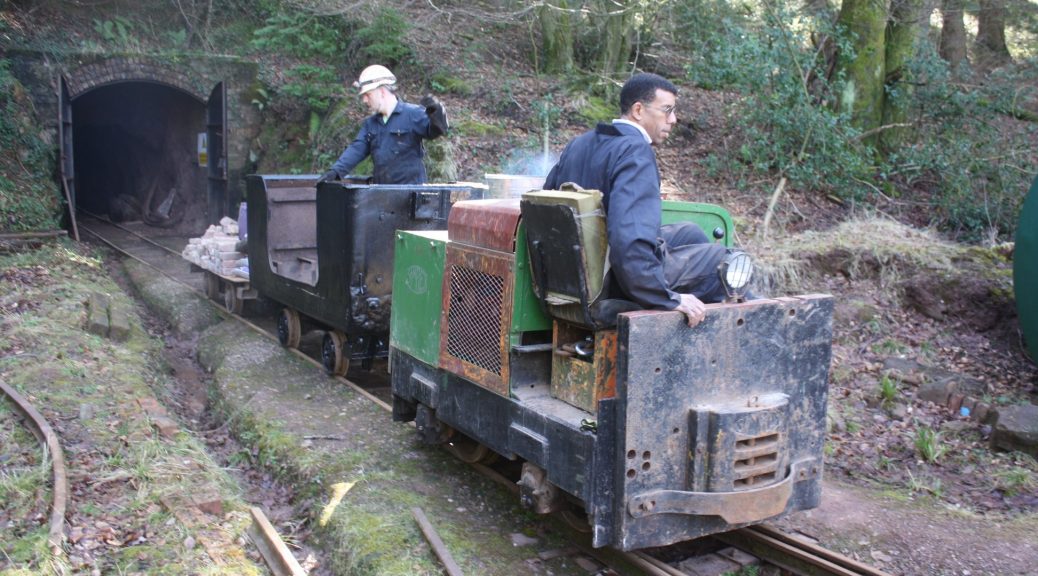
(395, 146)
(617, 160)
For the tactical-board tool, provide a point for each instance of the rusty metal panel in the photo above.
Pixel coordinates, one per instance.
(578, 381)
(722, 424)
(477, 311)
(487, 223)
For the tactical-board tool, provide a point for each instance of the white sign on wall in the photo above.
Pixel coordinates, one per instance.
(203, 149)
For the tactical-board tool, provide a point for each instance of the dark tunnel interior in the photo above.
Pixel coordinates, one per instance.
(135, 155)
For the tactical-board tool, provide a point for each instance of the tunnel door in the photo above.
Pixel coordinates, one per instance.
(216, 122)
(65, 165)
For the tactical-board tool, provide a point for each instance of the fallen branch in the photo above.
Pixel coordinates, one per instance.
(32, 235)
(771, 207)
(879, 129)
(323, 438)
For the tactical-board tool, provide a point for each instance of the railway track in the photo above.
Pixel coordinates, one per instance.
(51, 446)
(761, 544)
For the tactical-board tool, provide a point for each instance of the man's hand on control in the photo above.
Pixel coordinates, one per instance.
(693, 309)
(329, 176)
(437, 115)
(430, 103)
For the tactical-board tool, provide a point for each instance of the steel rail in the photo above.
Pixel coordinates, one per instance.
(45, 435)
(769, 544)
(108, 222)
(794, 554)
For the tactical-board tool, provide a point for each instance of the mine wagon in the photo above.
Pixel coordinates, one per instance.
(648, 430)
(325, 252)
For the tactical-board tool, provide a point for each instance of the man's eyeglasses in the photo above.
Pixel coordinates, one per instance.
(667, 110)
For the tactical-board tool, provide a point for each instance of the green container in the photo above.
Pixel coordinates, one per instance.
(1025, 270)
(418, 293)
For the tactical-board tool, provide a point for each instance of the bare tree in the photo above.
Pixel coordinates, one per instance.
(953, 34)
(991, 34)
(906, 18)
(555, 18)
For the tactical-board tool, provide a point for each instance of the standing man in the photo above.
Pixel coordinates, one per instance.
(393, 134)
(671, 267)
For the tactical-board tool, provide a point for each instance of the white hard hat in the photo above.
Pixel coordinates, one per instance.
(374, 76)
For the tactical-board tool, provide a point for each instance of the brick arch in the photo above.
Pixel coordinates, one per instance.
(134, 69)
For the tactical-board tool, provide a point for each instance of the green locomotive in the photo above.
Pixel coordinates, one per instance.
(501, 344)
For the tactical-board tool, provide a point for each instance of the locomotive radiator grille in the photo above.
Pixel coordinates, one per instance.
(474, 318)
(756, 461)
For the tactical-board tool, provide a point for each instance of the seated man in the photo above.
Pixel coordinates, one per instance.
(671, 267)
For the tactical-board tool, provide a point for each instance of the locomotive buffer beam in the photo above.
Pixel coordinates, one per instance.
(734, 507)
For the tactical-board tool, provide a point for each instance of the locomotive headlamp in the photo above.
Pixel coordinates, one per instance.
(736, 271)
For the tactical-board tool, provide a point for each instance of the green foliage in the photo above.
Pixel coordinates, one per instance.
(28, 198)
(311, 83)
(925, 483)
(177, 37)
(317, 42)
(116, 31)
(382, 41)
(299, 35)
(1016, 480)
(443, 83)
(890, 346)
(784, 128)
(928, 444)
(595, 109)
(965, 162)
(888, 390)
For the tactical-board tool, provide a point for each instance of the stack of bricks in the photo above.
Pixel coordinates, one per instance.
(217, 249)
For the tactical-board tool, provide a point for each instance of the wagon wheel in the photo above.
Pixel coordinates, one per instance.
(575, 517)
(212, 286)
(289, 328)
(335, 353)
(231, 300)
(468, 450)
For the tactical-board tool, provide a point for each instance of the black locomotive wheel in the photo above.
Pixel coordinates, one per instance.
(335, 353)
(468, 450)
(231, 301)
(576, 518)
(289, 328)
(212, 286)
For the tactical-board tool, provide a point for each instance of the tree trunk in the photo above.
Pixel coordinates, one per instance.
(556, 36)
(906, 17)
(953, 34)
(992, 51)
(862, 94)
(615, 24)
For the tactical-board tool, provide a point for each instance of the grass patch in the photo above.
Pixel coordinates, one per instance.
(477, 129)
(122, 471)
(869, 248)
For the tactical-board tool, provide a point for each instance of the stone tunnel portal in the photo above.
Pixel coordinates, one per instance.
(135, 154)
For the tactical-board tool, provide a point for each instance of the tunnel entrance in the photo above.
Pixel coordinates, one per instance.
(132, 155)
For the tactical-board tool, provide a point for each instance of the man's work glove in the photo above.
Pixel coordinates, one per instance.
(437, 116)
(329, 176)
